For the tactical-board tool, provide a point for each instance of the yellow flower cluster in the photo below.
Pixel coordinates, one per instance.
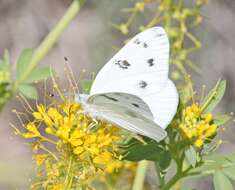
(197, 127)
(75, 129)
(91, 145)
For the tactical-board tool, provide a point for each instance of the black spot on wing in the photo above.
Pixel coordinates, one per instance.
(160, 35)
(136, 41)
(145, 45)
(136, 105)
(151, 62)
(110, 98)
(126, 63)
(123, 64)
(143, 84)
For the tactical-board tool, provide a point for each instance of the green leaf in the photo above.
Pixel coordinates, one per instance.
(5, 62)
(6, 57)
(214, 96)
(216, 163)
(191, 156)
(140, 152)
(221, 182)
(23, 63)
(222, 119)
(39, 73)
(230, 172)
(29, 91)
(86, 86)
(164, 159)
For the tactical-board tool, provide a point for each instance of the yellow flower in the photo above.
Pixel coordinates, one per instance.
(57, 187)
(140, 6)
(32, 131)
(76, 142)
(103, 158)
(78, 150)
(40, 158)
(195, 126)
(113, 165)
(198, 143)
(124, 29)
(68, 129)
(37, 115)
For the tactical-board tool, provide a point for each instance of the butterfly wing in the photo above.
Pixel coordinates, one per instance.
(164, 104)
(139, 68)
(127, 116)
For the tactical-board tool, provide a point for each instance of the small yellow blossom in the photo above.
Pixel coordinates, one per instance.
(140, 6)
(40, 158)
(197, 127)
(124, 29)
(32, 131)
(103, 158)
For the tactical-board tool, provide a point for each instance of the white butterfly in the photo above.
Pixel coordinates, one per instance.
(133, 90)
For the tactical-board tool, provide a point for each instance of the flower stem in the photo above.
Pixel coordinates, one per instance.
(69, 178)
(179, 175)
(53, 36)
(140, 175)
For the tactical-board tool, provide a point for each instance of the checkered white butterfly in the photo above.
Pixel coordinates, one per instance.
(133, 90)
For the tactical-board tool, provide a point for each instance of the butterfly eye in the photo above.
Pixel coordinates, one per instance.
(151, 62)
(142, 84)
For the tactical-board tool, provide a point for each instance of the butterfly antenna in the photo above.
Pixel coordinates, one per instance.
(56, 87)
(71, 75)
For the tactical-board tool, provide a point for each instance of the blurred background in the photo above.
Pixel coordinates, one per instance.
(88, 43)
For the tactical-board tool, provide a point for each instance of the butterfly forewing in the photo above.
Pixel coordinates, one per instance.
(144, 58)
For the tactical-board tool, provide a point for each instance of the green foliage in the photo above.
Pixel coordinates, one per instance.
(214, 96)
(5, 79)
(23, 63)
(86, 86)
(191, 156)
(9, 87)
(39, 73)
(222, 167)
(222, 182)
(164, 160)
(137, 151)
(222, 119)
(29, 91)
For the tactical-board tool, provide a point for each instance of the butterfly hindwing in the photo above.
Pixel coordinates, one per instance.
(128, 101)
(127, 119)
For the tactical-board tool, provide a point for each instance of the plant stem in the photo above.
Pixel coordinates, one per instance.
(53, 36)
(179, 175)
(69, 178)
(140, 175)
(161, 178)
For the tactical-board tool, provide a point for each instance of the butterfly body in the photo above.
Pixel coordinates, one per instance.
(133, 90)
